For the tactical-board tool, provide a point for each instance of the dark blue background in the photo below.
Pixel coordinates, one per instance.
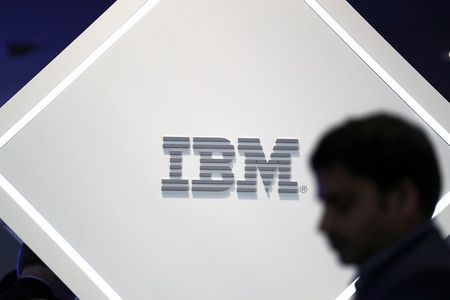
(33, 32)
(419, 30)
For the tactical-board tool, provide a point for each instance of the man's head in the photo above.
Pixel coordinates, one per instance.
(378, 178)
(30, 265)
(27, 259)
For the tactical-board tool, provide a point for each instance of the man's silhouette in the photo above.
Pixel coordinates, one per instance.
(379, 182)
(35, 281)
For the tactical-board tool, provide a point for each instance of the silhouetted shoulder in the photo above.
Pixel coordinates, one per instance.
(427, 284)
(418, 269)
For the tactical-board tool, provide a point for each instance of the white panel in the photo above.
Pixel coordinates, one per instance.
(92, 162)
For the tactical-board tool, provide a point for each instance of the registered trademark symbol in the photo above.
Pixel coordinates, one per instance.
(303, 188)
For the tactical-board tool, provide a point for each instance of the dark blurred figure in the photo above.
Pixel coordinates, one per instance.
(35, 280)
(379, 181)
(7, 281)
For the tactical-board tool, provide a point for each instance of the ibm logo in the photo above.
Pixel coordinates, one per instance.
(217, 156)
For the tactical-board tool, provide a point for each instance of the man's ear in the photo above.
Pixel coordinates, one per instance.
(405, 205)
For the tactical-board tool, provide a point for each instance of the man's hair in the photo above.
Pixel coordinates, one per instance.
(27, 258)
(385, 150)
